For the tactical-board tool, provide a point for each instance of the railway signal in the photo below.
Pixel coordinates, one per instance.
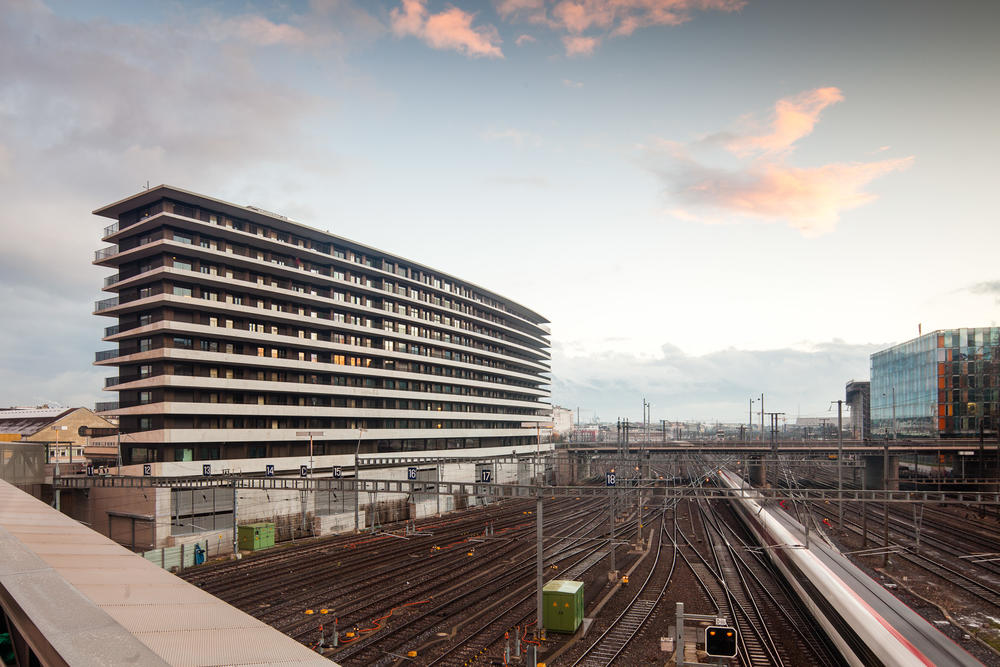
(720, 641)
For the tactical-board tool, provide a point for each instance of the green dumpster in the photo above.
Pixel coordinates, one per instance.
(255, 536)
(562, 605)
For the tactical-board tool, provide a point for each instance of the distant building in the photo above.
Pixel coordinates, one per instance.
(859, 398)
(64, 431)
(943, 384)
(562, 420)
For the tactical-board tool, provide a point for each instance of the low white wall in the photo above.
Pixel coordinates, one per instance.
(329, 524)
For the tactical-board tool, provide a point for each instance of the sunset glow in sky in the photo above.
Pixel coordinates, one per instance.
(709, 199)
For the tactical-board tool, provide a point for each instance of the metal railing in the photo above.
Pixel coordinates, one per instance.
(104, 253)
(113, 330)
(104, 304)
(111, 280)
(110, 229)
(104, 355)
(105, 406)
(119, 379)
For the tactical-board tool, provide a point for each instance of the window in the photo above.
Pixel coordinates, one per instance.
(145, 344)
(145, 423)
(181, 238)
(182, 264)
(145, 371)
(145, 397)
(184, 343)
(182, 291)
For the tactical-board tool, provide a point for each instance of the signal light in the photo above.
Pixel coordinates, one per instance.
(720, 641)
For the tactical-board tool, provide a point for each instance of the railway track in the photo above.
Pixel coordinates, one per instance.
(610, 645)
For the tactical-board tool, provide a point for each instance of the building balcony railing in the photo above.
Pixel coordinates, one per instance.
(104, 304)
(111, 280)
(104, 406)
(104, 355)
(104, 253)
(113, 330)
(111, 229)
(120, 379)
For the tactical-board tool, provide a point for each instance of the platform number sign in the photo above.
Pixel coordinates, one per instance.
(269, 470)
(147, 469)
(206, 469)
(411, 473)
(486, 476)
(337, 472)
(720, 641)
(303, 471)
(610, 478)
(90, 470)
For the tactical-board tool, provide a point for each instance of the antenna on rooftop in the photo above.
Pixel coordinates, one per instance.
(146, 187)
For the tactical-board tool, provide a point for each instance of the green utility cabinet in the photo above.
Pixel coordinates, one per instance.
(562, 605)
(255, 536)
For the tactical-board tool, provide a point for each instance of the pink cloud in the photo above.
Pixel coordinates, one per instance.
(524, 39)
(810, 200)
(451, 29)
(794, 118)
(765, 187)
(580, 46)
(623, 17)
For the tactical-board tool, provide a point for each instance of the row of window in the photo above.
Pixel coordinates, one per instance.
(284, 423)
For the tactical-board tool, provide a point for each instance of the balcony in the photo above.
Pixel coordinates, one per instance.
(110, 229)
(113, 330)
(104, 304)
(104, 406)
(111, 280)
(104, 355)
(120, 379)
(104, 253)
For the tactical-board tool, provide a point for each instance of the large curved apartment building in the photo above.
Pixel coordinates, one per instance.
(239, 332)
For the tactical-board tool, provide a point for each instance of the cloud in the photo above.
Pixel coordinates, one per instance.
(765, 186)
(448, 30)
(525, 39)
(569, 83)
(988, 288)
(259, 30)
(606, 18)
(579, 46)
(717, 385)
(794, 118)
(519, 138)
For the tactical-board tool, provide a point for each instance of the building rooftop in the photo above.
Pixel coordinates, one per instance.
(28, 421)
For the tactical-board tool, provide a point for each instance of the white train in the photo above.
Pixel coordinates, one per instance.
(868, 624)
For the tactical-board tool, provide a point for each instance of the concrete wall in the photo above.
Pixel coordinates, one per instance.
(296, 514)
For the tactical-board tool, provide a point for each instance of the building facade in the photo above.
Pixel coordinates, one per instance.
(942, 384)
(240, 334)
(63, 431)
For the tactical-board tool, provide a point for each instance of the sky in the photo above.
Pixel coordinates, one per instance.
(708, 199)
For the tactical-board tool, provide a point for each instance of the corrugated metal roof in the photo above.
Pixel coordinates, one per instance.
(28, 421)
(180, 623)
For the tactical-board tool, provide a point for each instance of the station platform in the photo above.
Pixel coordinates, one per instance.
(910, 627)
(70, 596)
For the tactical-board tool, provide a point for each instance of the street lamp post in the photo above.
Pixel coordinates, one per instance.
(357, 497)
(310, 434)
(55, 473)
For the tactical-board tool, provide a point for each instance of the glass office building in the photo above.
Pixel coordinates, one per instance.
(943, 384)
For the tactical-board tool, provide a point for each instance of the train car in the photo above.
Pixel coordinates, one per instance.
(867, 624)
